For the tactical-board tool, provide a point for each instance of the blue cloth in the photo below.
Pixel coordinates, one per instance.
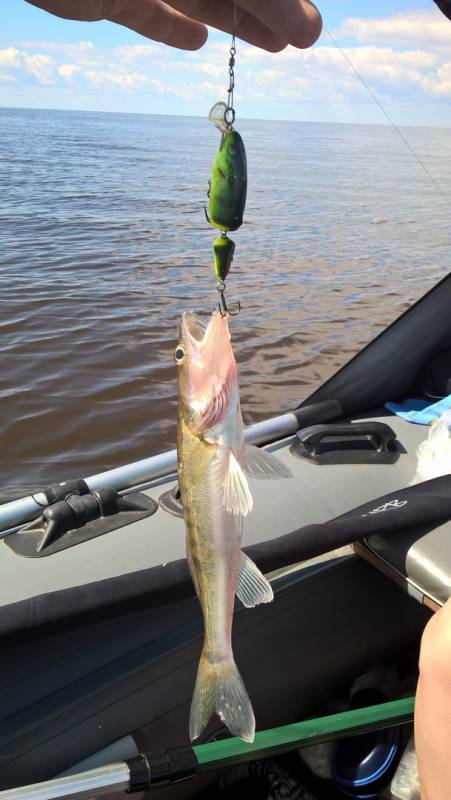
(420, 411)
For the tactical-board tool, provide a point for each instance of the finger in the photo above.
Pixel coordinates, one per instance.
(84, 10)
(297, 21)
(220, 14)
(159, 21)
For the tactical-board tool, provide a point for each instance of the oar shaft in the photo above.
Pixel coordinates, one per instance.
(17, 512)
(113, 778)
(169, 766)
(228, 752)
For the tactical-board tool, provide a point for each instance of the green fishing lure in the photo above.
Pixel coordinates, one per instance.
(227, 189)
(228, 185)
(223, 250)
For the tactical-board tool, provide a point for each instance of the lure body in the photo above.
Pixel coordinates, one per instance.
(223, 250)
(228, 186)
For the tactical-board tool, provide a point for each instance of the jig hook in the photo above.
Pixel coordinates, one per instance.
(224, 309)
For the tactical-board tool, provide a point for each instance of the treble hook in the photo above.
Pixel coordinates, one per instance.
(224, 310)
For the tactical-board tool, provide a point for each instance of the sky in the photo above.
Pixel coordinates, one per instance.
(401, 49)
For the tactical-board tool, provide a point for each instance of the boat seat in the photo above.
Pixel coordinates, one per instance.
(418, 559)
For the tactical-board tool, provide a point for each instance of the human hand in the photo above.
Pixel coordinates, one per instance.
(269, 24)
(433, 708)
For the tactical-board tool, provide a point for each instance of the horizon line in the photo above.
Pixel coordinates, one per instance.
(250, 119)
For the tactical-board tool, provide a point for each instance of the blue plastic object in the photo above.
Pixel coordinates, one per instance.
(363, 764)
(422, 412)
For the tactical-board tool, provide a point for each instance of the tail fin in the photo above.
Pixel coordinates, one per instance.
(220, 688)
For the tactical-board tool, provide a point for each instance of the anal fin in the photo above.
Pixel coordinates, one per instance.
(252, 588)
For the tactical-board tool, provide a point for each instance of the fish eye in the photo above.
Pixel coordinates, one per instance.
(180, 354)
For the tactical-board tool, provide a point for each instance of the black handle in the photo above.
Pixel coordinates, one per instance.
(347, 443)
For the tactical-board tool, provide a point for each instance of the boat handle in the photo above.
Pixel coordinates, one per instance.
(347, 442)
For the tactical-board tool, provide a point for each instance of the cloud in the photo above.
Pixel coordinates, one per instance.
(399, 56)
(413, 29)
(127, 80)
(68, 70)
(68, 48)
(41, 67)
(441, 84)
(212, 88)
(129, 53)
(324, 71)
(10, 57)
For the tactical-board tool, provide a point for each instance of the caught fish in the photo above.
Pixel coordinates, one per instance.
(214, 465)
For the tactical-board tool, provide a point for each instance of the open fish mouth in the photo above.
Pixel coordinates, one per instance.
(193, 326)
(198, 331)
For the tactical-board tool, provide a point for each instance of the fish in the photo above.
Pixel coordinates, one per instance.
(228, 184)
(214, 465)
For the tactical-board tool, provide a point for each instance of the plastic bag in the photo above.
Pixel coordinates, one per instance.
(434, 454)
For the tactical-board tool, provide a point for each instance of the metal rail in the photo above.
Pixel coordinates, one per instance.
(20, 511)
(159, 769)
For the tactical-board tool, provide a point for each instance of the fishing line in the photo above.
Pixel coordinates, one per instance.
(387, 115)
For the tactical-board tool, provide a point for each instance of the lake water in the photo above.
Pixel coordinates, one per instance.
(104, 243)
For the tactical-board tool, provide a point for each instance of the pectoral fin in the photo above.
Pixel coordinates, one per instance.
(252, 588)
(237, 495)
(258, 463)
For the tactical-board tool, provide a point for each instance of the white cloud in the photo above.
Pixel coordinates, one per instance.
(10, 57)
(441, 84)
(41, 67)
(208, 68)
(68, 70)
(412, 29)
(212, 88)
(323, 71)
(68, 48)
(129, 53)
(399, 56)
(126, 80)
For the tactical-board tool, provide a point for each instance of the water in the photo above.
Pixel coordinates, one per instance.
(104, 243)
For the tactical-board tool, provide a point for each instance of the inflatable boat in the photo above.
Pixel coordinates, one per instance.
(100, 631)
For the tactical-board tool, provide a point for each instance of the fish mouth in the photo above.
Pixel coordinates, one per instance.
(197, 332)
(193, 327)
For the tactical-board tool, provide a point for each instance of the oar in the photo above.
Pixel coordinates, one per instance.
(153, 770)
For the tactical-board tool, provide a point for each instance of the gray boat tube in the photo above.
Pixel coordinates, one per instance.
(18, 512)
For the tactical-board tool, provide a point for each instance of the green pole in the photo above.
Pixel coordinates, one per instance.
(228, 752)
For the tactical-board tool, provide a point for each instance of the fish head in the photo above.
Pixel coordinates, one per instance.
(206, 370)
